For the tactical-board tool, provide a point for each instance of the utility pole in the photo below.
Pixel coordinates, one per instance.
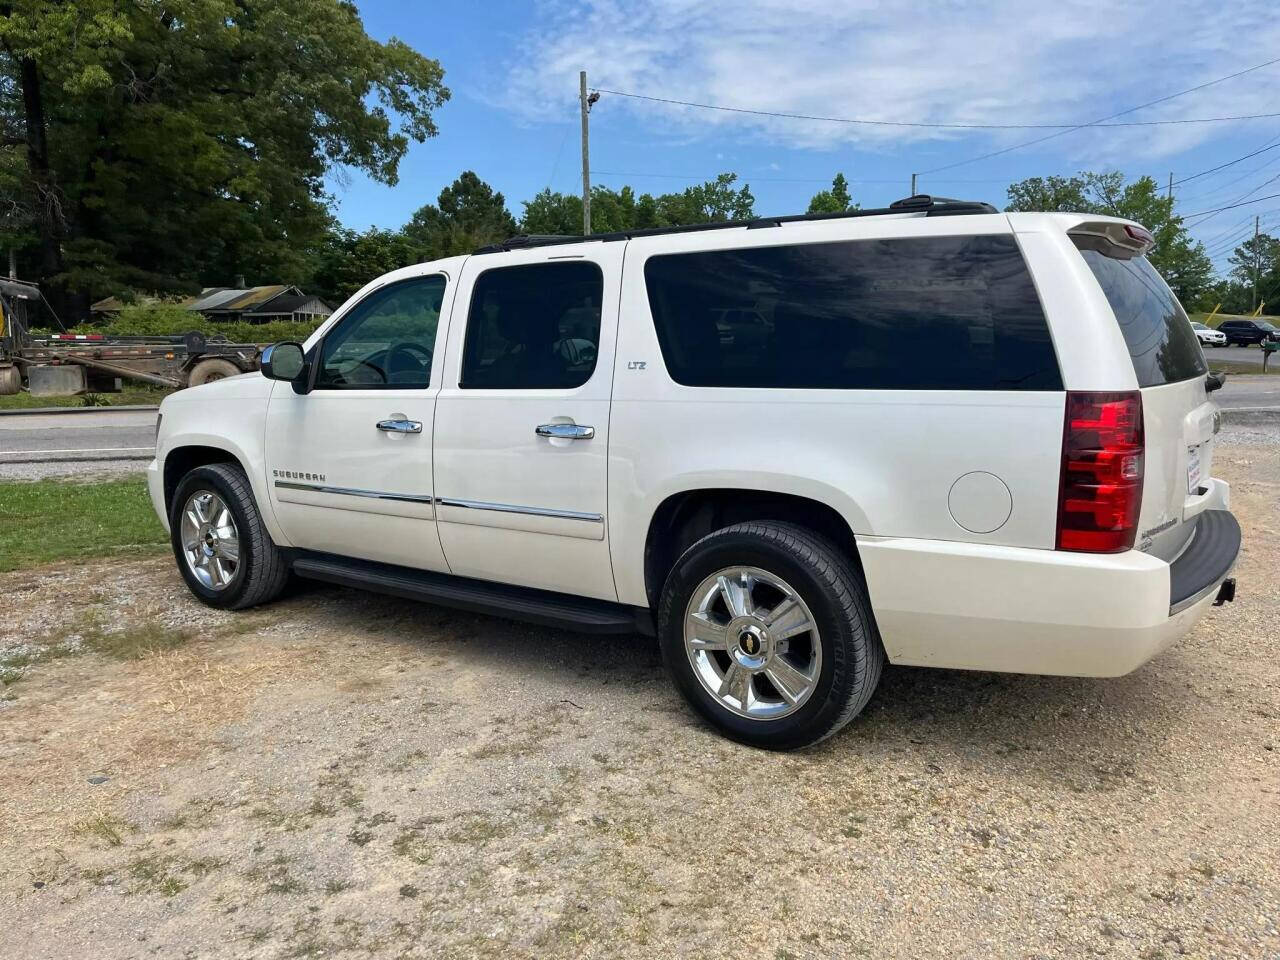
(13, 264)
(1256, 251)
(913, 184)
(586, 163)
(1171, 186)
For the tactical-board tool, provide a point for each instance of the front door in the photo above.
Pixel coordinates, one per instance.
(349, 464)
(522, 420)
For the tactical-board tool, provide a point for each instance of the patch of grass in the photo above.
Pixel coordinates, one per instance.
(152, 874)
(137, 641)
(275, 874)
(109, 829)
(48, 520)
(130, 396)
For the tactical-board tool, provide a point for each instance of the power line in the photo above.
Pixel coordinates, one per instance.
(1102, 120)
(1232, 206)
(928, 125)
(1223, 166)
(1231, 183)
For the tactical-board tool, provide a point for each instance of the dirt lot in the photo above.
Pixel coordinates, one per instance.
(344, 775)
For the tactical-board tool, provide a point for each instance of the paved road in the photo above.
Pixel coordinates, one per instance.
(1243, 391)
(1250, 356)
(75, 442)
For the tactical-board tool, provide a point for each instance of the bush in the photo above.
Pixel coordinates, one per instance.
(167, 319)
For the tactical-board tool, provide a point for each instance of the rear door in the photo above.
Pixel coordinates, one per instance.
(522, 419)
(1178, 419)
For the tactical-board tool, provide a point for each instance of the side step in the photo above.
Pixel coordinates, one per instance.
(543, 607)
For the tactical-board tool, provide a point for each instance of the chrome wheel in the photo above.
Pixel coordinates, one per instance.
(210, 540)
(753, 643)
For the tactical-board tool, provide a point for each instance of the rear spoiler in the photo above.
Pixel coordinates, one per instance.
(1124, 241)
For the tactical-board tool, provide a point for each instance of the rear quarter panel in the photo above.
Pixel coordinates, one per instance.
(886, 460)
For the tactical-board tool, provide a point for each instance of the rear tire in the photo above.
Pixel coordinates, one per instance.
(224, 552)
(206, 371)
(803, 685)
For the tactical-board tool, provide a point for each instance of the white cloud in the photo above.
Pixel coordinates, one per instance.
(998, 61)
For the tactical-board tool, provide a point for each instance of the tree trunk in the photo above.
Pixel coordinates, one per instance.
(49, 217)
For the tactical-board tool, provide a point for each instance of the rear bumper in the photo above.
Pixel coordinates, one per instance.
(1017, 610)
(1205, 562)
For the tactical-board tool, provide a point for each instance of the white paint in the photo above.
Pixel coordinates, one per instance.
(951, 495)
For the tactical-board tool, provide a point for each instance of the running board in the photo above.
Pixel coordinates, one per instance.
(560, 610)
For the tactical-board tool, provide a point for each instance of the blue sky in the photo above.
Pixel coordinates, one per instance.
(513, 118)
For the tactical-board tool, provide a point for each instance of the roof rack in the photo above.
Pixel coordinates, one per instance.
(920, 203)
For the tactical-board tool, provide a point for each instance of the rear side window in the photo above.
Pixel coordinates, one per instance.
(1161, 340)
(923, 313)
(533, 327)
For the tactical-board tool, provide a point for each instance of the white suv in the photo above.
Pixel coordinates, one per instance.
(793, 448)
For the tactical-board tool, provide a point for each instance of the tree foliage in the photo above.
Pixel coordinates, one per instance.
(160, 147)
(714, 201)
(1181, 261)
(469, 213)
(835, 200)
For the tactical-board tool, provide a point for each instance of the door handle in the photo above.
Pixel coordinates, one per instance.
(400, 426)
(565, 431)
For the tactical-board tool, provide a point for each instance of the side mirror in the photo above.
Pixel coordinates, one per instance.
(1214, 381)
(286, 361)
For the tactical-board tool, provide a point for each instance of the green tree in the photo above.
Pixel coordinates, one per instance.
(1181, 261)
(835, 200)
(1049, 194)
(348, 259)
(468, 214)
(1257, 259)
(170, 145)
(552, 213)
(712, 202)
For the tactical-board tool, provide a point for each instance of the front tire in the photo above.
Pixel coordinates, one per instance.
(768, 633)
(224, 552)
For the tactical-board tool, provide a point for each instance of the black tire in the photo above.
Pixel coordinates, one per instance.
(262, 571)
(206, 371)
(852, 654)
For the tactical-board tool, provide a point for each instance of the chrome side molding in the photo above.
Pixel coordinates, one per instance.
(443, 501)
(528, 511)
(354, 492)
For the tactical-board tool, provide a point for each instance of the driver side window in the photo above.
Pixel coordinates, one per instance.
(386, 340)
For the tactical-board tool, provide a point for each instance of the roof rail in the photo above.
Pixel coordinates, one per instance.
(920, 203)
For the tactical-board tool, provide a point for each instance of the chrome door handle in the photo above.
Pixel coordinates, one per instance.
(565, 431)
(400, 426)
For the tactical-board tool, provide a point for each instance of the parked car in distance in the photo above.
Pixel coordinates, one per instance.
(932, 434)
(1246, 332)
(1208, 336)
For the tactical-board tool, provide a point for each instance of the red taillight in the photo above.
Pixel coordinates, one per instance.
(1102, 460)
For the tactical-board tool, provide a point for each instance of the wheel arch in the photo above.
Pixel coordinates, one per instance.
(182, 459)
(684, 517)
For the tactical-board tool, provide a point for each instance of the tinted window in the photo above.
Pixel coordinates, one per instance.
(938, 313)
(533, 327)
(386, 340)
(1161, 342)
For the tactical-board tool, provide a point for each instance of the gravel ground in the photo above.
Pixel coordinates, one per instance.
(342, 775)
(85, 471)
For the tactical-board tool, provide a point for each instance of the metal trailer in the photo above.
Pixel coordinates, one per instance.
(62, 364)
